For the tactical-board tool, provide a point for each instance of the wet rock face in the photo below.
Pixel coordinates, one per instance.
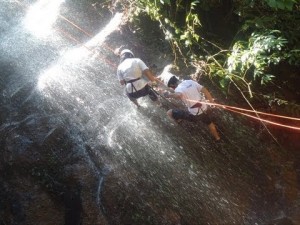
(70, 163)
(46, 176)
(282, 221)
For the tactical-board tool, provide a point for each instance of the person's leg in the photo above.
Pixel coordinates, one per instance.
(133, 99)
(170, 115)
(135, 102)
(177, 115)
(213, 131)
(152, 94)
(205, 118)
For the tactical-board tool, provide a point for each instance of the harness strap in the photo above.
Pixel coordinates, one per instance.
(131, 82)
(197, 105)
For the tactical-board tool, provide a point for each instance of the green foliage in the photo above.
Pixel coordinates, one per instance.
(258, 53)
(293, 57)
(281, 4)
(192, 22)
(161, 11)
(288, 22)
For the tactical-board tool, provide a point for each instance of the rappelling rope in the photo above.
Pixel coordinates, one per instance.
(247, 110)
(264, 120)
(163, 97)
(238, 111)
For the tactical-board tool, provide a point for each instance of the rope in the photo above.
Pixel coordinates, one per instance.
(167, 100)
(236, 110)
(266, 121)
(252, 111)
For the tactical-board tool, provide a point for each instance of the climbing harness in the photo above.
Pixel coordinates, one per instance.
(197, 105)
(131, 82)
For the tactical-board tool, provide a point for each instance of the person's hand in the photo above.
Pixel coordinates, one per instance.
(152, 83)
(166, 94)
(212, 106)
(117, 51)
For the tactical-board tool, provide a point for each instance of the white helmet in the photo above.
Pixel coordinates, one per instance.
(166, 76)
(167, 73)
(126, 51)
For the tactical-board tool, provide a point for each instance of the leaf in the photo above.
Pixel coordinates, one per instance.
(272, 3)
(188, 42)
(183, 36)
(194, 3)
(266, 78)
(220, 73)
(281, 4)
(224, 82)
(165, 2)
(196, 36)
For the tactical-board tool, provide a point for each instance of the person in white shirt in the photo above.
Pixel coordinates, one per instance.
(191, 93)
(130, 73)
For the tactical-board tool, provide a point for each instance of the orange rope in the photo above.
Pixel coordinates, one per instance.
(264, 120)
(238, 110)
(73, 24)
(82, 30)
(247, 110)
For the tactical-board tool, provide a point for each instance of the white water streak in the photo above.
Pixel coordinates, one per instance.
(41, 16)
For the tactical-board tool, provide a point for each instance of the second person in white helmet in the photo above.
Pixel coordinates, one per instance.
(192, 94)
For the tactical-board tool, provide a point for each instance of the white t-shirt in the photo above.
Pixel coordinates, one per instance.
(130, 69)
(191, 92)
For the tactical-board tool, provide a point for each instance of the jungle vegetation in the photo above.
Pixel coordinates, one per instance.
(252, 46)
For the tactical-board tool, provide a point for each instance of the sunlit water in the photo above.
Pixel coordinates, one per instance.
(79, 84)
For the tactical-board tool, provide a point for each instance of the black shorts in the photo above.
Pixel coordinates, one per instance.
(178, 114)
(141, 93)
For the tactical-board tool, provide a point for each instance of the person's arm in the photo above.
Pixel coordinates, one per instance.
(149, 75)
(175, 95)
(207, 95)
(120, 77)
(155, 81)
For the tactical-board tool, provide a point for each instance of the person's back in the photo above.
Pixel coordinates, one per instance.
(191, 94)
(131, 70)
